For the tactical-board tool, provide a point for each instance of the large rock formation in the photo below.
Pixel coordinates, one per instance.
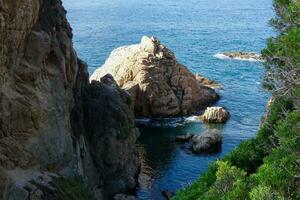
(159, 85)
(53, 123)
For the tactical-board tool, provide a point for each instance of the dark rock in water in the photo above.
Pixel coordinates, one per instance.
(167, 194)
(208, 142)
(124, 197)
(183, 138)
(52, 120)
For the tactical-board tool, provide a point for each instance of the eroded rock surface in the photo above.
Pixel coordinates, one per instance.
(52, 121)
(215, 115)
(159, 85)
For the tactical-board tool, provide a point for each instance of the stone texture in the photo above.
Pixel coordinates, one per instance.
(215, 115)
(51, 119)
(209, 141)
(159, 85)
(243, 55)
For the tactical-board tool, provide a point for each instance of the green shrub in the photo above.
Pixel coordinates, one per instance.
(262, 192)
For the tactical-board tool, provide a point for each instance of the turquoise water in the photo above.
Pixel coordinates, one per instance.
(195, 30)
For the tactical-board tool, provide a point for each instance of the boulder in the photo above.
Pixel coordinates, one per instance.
(159, 85)
(215, 115)
(209, 141)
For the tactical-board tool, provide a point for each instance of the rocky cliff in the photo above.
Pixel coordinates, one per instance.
(158, 83)
(53, 123)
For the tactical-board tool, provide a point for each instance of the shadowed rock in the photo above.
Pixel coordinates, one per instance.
(208, 142)
(167, 194)
(52, 121)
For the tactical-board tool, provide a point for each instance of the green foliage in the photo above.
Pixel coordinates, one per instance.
(71, 189)
(266, 167)
(199, 187)
(229, 182)
(262, 192)
(248, 156)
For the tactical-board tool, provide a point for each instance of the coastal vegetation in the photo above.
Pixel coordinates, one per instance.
(267, 166)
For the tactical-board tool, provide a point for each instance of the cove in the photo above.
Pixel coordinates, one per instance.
(195, 30)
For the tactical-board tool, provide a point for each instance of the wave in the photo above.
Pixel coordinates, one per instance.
(223, 57)
(167, 122)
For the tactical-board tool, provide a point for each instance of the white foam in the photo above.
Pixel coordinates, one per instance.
(164, 122)
(223, 57)
(168, 122)
(192, 118)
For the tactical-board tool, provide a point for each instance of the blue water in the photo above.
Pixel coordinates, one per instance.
(195, 30)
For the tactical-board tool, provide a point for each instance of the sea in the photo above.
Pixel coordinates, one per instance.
(197, 31)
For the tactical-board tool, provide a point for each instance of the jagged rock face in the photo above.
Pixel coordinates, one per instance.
(215, 115)
(51, 119)
(159, 85)
(106, 116)
(38, 72)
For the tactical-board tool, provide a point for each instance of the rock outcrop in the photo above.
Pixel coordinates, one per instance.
(159, 85)
(238, 55)
(209, 141)
(52, 121)
(215, 115)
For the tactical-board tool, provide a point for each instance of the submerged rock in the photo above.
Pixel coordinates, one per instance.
(209, 141)
(183, 138)
(215, 115)
(167, 194)
(158, 84)
(124, 197)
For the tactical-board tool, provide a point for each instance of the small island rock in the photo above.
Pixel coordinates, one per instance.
(243, 55)
(159, 85)
(215, 115)
(209, 141)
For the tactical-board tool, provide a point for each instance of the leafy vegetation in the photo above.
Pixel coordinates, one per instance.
(266, 167)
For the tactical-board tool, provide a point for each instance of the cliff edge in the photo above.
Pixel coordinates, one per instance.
(53, 123)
